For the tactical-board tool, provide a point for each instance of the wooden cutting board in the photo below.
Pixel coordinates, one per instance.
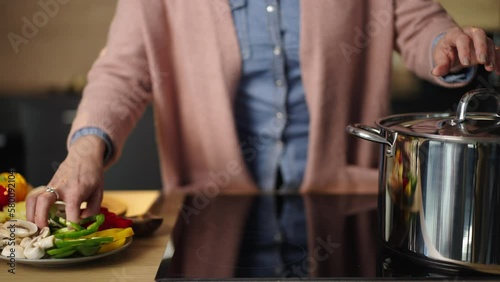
(125, 202)
(129, 202)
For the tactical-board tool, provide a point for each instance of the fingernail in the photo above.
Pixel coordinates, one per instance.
(483, 58)
(466, 61)
(432, 72)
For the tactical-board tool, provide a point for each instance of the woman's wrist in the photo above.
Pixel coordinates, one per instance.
(88, 146)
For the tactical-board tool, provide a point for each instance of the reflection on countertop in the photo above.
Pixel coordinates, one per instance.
(274, 236)
(287, 237)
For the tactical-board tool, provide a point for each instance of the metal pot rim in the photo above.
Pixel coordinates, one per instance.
(388, 123)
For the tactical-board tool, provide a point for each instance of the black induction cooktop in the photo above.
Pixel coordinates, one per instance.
(277, 237)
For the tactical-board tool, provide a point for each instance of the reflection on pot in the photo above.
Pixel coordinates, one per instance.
(403, 181)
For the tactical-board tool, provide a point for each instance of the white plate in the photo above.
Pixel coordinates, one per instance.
(52, 262)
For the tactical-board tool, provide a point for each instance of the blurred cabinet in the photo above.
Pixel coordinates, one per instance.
(480, 13)
(38, 127)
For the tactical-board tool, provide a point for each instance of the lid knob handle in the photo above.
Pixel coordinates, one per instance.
(467, 97)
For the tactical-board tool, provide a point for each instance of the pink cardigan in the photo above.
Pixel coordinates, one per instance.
(183, 56)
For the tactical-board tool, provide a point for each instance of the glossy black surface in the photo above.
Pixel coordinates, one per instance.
(289, 236)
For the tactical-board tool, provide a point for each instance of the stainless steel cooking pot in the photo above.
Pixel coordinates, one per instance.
(440, 183)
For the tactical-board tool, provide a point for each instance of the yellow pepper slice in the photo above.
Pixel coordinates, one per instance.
(120, 235)
(112, 246)
(116, 233)
(127, 232)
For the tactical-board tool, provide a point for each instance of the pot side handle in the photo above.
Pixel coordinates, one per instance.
(368, 133)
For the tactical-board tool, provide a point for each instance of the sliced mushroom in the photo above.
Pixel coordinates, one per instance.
(21, 228)
(44, 232)
(43, 239)
(45, 243)
(25, 242)
(33, 251)
(5, 242)
(35, 248)
(18, 252)
(17, 241)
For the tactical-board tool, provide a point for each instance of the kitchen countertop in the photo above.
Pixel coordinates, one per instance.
(291, 236)
(248, 237)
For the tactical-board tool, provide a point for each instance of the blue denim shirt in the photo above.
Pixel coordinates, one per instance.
(270, 108)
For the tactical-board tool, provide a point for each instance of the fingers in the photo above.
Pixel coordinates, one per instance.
(43, 203)
(480, 44)
(463, 43)
(490, 64)
(444, 57)
(70, 190)
(484, 47)
(70, 194)
(93, 204)
(31, 203)
(446, 52)
(442, 61)
(463, 48)
(73, 211)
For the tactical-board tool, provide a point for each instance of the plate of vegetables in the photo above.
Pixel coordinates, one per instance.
(63, 242)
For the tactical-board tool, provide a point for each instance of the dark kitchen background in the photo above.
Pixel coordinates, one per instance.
(42, 77)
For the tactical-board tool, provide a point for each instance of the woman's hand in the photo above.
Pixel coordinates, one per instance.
(79, 178)
(462, 48)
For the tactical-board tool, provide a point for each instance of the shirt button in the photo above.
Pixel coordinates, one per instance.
(277, 50)
(277, 238)
(279, 82)
(270, 8)
(279, 115)
(279, 143)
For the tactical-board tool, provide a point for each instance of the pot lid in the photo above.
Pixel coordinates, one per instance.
(476, 125)
(464, 126)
